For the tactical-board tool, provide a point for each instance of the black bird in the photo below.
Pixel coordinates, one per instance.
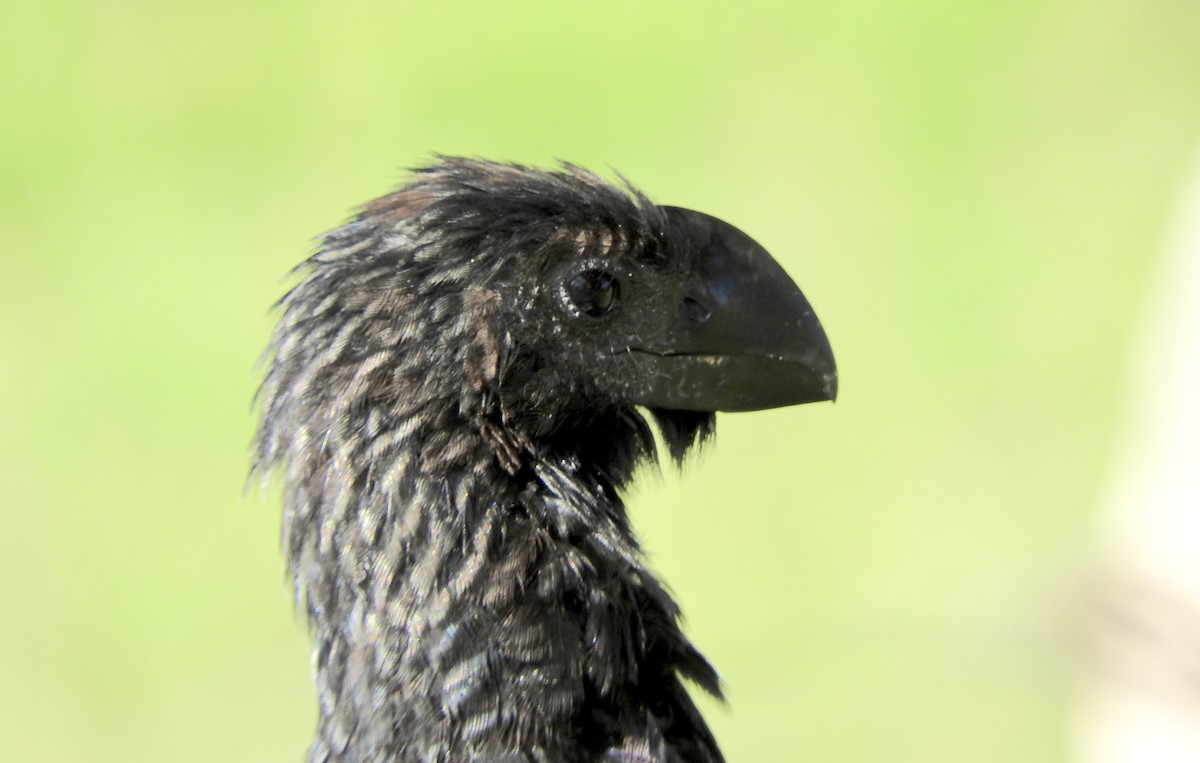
(457, 391)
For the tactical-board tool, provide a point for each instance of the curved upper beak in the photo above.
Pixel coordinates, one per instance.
(749, 339)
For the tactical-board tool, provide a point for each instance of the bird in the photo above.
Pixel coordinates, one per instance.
(459, 388)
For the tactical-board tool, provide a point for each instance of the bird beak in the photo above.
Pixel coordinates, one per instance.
(746, 338)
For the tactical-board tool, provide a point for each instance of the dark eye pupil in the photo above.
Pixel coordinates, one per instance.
(594, 292)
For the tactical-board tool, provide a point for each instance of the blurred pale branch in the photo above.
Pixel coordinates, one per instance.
(1140, 700)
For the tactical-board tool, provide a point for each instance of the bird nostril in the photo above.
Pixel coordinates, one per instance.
(694, 311)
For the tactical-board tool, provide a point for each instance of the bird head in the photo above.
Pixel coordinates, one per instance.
(541, 302)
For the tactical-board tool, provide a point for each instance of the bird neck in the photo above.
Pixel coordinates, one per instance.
(442, 530)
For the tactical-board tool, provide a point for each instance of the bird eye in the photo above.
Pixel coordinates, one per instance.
(594, 292)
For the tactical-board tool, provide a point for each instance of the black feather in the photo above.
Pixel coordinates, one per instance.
(451, 464)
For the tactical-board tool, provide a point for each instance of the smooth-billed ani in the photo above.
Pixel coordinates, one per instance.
(457, 390)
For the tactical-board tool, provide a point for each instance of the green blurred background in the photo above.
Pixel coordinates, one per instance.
(972, 196)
